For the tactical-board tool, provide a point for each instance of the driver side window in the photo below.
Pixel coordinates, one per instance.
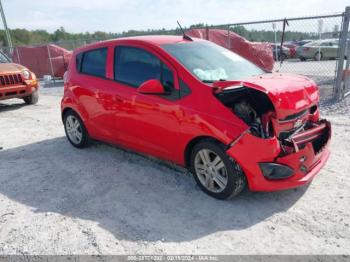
(133, 66)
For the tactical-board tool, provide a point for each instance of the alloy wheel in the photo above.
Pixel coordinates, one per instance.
(211, 170)
(74, 129)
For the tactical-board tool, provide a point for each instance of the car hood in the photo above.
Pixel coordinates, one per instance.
(8, 68)
(289, 93)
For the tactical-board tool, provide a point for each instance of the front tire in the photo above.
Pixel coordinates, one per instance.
(76, 132)
(215, 172)
(32, 99)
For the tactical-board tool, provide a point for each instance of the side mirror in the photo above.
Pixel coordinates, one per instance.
(152, 87)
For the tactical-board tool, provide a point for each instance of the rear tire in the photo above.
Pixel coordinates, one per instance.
(303, 59)
(76, 132)
(282, 57)
(215, 172)
(318, 56)
(32, 99)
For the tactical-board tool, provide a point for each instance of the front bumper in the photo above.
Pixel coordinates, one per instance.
(17, 91)
(306, 160)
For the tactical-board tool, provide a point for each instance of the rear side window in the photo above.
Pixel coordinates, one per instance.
(94, 62)
(78, 60)
(133, 66)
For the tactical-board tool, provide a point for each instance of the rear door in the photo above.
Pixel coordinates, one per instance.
(94, 92)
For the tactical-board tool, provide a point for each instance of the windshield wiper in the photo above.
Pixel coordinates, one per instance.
(213, 81)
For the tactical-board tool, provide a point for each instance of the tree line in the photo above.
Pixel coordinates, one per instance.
(32, 37)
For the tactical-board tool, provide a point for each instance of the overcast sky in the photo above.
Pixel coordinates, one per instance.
(121, 15)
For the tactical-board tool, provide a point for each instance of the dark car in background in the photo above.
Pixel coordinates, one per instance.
(277, 54)
(292, 49)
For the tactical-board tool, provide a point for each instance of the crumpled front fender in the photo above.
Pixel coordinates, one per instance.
(248, 151)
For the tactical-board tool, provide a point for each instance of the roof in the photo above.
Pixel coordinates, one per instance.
(151, 39)
(158, 39)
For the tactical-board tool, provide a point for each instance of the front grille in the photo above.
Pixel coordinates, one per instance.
(286, 134)
(294, 116)
(11, 79)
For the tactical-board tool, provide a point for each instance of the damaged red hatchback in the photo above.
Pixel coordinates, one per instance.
(198, 105)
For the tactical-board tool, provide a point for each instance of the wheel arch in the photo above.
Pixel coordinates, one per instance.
(64, 112)
(193, 142)
(67, 109)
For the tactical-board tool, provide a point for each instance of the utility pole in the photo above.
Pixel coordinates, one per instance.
(8, 36)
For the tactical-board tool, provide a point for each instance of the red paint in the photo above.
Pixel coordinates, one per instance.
(151, 124)
(292, 50)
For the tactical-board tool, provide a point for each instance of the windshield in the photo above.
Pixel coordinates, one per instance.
(210, 62)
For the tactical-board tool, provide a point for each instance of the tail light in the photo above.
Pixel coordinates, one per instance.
(306, 49)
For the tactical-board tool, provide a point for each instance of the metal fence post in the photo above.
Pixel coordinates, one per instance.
(18, 57)
(347, 66)
(51, 66)
(346, 86)
(338, 94)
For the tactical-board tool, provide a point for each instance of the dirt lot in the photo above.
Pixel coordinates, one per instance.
(55, 199)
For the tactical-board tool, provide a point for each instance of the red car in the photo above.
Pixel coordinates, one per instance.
(292, 50)
(194, 103)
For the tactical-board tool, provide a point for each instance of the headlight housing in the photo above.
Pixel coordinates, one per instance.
(26, 74)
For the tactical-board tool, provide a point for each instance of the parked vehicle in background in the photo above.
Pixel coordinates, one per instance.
(17, 81)
(318, 50)
(292, 49)
(199, 105)
(281, 56)
(303, 42)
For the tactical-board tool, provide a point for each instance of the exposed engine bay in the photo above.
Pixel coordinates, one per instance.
(257, 111)
(251, 106)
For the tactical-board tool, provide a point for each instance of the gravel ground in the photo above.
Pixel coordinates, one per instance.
(55, 199)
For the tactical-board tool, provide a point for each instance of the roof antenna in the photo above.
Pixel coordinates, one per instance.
(186, 37)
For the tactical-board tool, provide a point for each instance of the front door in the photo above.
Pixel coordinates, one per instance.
(149, 123)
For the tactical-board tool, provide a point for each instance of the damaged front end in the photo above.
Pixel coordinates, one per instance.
(281, 148)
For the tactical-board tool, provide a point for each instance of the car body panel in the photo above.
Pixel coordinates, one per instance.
(288, 92)
(249, 151)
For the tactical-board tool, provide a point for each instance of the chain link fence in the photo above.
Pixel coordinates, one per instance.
(312, 46)
(342, 82)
